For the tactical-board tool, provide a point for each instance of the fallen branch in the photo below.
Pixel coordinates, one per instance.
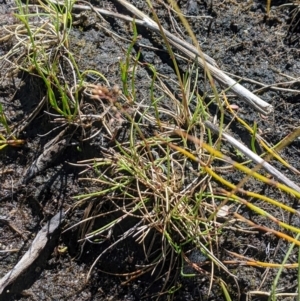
(22, 275)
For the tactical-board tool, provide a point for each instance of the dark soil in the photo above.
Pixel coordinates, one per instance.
(245, 42)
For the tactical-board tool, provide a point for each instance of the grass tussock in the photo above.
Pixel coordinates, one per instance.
(165, 171)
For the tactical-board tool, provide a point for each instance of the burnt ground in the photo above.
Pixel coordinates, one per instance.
(245, 43)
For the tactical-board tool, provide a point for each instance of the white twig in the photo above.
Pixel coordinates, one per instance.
(191, 51)
(254, 157)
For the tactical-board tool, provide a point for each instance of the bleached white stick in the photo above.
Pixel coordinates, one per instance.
(191, 51)
(254, 157)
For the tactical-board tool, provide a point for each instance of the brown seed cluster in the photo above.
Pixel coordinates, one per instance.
(103, 93)
(111, 108)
